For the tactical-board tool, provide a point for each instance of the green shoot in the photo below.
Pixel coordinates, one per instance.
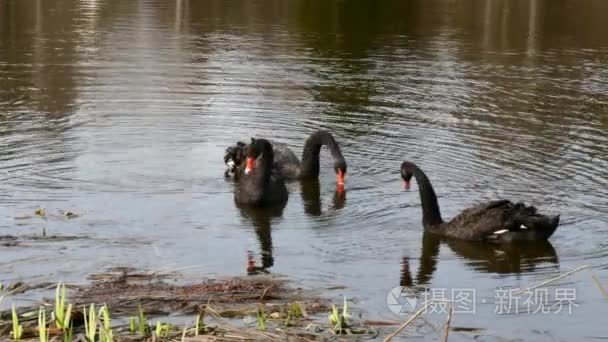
(132, 325)
(162, 329)
(294, 311)
(143, 323)
(334, 316)
(105, 329)
(345, 313)
(42, 330)
(199, 326)
(261, 319)
(68, 333)
(159, 329)
(62, 313)
(17, 328)
(90, 323)
(288, 319)
(338, 320)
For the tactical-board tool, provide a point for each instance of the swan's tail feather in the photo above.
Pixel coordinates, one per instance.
(526, 220)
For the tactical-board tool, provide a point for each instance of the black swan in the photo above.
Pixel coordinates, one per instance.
(258, 186)
(287, 164)
(499, 220)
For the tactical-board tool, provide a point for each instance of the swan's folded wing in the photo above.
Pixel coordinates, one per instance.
(285, 160)
(480, 210)
(480, 221)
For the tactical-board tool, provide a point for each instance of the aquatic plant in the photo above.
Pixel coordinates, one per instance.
(62, 312)
(63, 326)
(162, 329)
(142, 323)
(17, 328)
(340, 322)
(90, 323)
(261, 319)
(105, 328)
(43, 333)
(199, 325)
(294, 311)
(132, 325)
(68, 333)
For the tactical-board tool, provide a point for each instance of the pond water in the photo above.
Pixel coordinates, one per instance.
(120, 111)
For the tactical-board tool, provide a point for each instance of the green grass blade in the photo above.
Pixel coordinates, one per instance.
(17, 328)
(42, 331)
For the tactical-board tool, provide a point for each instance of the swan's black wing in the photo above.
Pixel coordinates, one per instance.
(285, 161)
(501, 221)
(479, 222)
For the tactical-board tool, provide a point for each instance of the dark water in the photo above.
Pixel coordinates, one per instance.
(121, 111)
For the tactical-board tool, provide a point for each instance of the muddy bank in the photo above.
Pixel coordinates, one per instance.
(143, 306)
(125, 292)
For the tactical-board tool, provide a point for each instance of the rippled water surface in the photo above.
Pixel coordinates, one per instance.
(121, 111)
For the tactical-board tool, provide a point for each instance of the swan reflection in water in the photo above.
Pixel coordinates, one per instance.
(262, 218)
(311, 197)
(513, 258)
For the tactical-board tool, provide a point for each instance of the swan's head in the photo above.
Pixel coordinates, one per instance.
(340, 169)
(234, 157)
(257, 148)
(407, 171)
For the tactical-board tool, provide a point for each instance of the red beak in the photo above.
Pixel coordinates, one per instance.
(406, 185)
(341, 176)
(250, 165)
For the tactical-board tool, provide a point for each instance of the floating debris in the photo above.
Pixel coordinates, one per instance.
(69, 214)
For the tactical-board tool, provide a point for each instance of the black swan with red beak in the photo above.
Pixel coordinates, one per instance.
(287, 164)
(258, 186)
(499, 220)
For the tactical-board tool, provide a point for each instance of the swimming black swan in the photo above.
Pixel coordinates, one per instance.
(287, 164)
(499, 220)
(258, 186)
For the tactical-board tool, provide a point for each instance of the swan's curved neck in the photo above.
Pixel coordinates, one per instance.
(312, 149)
(431, 215)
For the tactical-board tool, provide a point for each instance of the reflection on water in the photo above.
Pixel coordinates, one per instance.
(311, 197)
(516, 258)
(261, 218)
(121, 111)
